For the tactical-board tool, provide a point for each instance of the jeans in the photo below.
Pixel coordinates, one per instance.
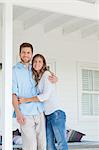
(55, 130)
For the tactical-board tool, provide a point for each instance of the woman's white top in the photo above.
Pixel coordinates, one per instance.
(48, 94)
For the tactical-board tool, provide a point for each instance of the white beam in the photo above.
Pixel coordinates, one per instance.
(23, 14)
(7, 77)
(35, 19)
(90, 30)
(76, 25)
(56, 22)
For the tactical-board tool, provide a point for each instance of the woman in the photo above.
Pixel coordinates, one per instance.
(55, 116)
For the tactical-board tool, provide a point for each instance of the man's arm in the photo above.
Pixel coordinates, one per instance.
(19, 116)
(15, 102)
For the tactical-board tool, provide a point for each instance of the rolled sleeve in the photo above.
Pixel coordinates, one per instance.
(14, 83)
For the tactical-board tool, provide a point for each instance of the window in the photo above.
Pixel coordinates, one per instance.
(88, 90)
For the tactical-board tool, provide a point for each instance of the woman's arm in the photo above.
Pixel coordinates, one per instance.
(46, 93)
(32, 99)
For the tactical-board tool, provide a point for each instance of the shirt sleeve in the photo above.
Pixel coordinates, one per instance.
(14, 82)
(47, 88)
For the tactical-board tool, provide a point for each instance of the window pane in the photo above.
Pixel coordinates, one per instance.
(96, 80)
(87, 80)
(96, 104)
(90, 104)
(86, 104)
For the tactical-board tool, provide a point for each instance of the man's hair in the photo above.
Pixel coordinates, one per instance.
(26, 45)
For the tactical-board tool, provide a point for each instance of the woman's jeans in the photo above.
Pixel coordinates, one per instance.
(55, 130)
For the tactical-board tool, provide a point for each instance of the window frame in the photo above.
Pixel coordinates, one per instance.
(80, 66)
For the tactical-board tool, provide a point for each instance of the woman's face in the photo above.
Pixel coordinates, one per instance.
(38, 64)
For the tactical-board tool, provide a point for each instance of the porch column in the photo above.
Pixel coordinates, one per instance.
(7, 76)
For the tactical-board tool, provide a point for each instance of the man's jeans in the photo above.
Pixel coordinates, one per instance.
(55, 130)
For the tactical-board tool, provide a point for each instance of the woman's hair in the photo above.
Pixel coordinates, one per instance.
(37, 76)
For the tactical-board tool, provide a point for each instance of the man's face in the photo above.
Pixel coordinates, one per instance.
(26, 54)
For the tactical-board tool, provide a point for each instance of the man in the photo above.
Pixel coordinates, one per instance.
(29, 115)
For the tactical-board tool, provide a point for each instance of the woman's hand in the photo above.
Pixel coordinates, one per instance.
(53, 78)
(21, 100)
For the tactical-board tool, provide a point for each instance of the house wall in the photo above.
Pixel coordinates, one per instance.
(66, 51)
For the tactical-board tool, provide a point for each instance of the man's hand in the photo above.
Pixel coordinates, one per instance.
(19, 115)
(20, 118)
(53, 78)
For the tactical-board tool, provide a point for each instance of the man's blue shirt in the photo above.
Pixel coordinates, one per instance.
(23, 85)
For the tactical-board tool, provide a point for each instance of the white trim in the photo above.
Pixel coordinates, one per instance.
(7, 77)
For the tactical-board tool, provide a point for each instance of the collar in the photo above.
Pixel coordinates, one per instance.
(20, 65)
